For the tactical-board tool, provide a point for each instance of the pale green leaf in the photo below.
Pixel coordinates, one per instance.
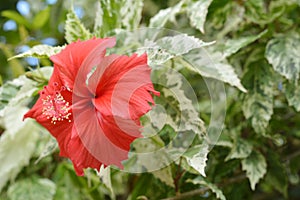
(197, 12)
(241, 149)
(17, 17)
(234, 45)
(49, 147)
(292, 94)
(17, 143)
(210, 65)
(105, 178)
(165, 15)
(39, 51)
(255, 166)
(258, 102)
(41, 18)
(165, 175)
(201, 181)
(198, 160)
(32, 189)
(283, 53)
(74, 29)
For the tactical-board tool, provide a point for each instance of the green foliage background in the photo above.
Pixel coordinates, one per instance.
(256, 55)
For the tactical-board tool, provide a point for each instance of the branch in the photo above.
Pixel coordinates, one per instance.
(200, 191)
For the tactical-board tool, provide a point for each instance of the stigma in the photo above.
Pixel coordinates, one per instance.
(55, 107)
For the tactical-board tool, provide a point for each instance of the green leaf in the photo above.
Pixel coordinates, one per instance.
(40, 51)
(66, 183)
(165, 15)
(32, 189)
(283, 53)
(292, 94)
(277, 174)
(234, 45)
(258, 102)
(165, 175)
(14, 15)
(198, 160)
(197, 12)
(41, 18)
(200, 181)
(210, 65)
(260, 12)
(74, 29)
(255, 166)
(241, 149)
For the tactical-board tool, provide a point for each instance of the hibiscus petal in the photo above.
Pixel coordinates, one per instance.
(60, 129)
(124, 88)
(77, 54)
(91, 131)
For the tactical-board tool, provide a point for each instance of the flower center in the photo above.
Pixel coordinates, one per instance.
(55, 107)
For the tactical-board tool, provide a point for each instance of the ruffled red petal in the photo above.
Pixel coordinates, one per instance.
(125, 88)
(80, 56)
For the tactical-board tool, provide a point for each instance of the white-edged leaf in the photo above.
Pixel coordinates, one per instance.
(234, 45)
(292, 94)
(210, 66)
(258, 102)
(74, 29)
(165, 175)
(201, 181)
(241, 149)
(255, 166)
(165, 15)
(181, 44)
(32, 189)
(169, 47)
(283, 53)
(197, 12)
(188, 117)
(131, 14)
(40, 51)
(198, 160)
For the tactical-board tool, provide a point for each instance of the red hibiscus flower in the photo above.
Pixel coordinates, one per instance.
(92, 103)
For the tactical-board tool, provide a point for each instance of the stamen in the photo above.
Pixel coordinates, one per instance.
(55, 107)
